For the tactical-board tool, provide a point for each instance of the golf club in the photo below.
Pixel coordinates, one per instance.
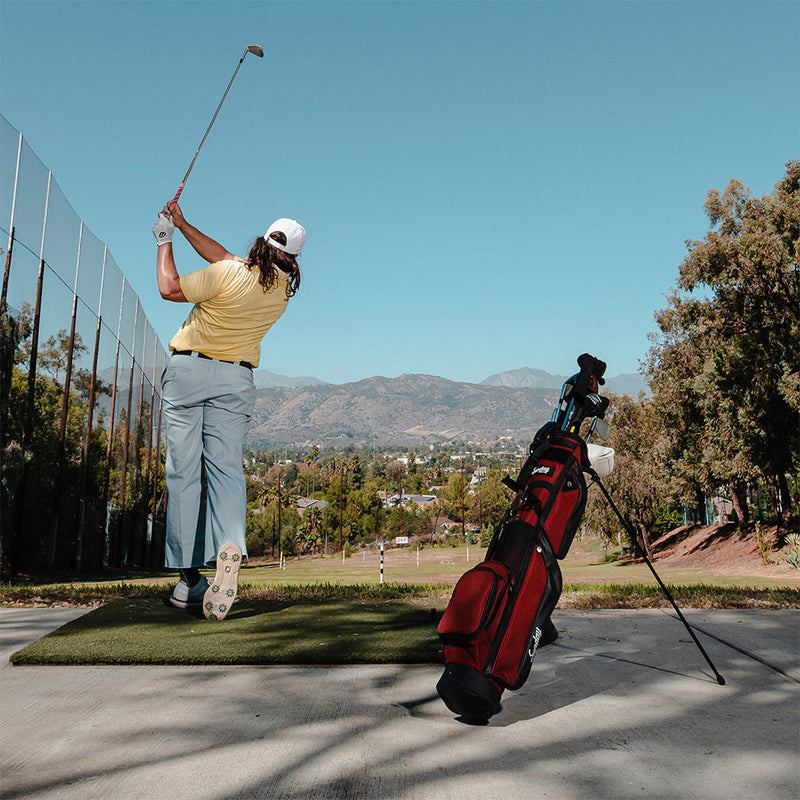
(256, 50)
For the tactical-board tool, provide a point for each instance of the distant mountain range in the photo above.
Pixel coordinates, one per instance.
(264, 379)
(524, 378)
(630, 383)
(410, 411)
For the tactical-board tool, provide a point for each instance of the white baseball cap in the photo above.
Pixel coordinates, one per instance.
(294, 232)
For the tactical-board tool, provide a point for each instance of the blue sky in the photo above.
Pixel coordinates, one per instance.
(486, 185)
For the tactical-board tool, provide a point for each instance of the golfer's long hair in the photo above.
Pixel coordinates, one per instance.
(269, 260)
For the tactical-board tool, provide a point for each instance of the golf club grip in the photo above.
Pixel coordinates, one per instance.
(588, 364)
(177, 195)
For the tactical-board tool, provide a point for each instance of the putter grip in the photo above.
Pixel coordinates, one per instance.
(177, 195)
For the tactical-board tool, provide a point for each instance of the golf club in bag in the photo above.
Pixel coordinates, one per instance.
(256, 50)
(499, 612)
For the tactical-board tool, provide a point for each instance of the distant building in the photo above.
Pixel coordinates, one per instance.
(304, 503)
(417, 460)
(420, 500)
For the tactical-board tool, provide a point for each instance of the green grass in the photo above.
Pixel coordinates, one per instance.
(589, 581)
(574, 595)
(143, 630)
(437, 566)
(313, 624)
(330, 611)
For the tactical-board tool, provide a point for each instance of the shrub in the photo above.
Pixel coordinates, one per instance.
(791, 550)
(762, 544)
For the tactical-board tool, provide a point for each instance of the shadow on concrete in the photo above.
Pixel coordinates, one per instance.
(620, 707)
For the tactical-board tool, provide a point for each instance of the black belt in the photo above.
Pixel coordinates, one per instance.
(209, 358)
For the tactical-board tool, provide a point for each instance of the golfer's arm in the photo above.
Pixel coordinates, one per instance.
(169, 283)
(204, 245)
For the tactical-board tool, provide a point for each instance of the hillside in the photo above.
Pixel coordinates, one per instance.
(723, 548)
(409, 411)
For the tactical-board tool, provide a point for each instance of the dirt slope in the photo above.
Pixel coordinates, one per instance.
(721, 547)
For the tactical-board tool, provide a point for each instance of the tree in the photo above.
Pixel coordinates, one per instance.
(259, 533)
(490, 501)
(453, 496)
(729, 343)
(290, 476)
(394, 473)
(639, 482)
(54, 353)
(682, 408)
(356, 471)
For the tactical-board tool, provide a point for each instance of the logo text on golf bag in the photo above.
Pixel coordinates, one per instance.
(537, 634)
(543, 470)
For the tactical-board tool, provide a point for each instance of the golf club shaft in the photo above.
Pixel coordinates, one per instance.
(208, 129)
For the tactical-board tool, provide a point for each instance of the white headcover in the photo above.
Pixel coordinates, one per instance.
(601, 458)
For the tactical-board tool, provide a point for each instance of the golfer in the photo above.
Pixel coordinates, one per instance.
(208, 396)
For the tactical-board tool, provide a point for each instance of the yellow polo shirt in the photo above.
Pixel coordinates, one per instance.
(232, 312)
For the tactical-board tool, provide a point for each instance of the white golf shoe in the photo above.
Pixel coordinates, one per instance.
(185, 596)
(221, 594)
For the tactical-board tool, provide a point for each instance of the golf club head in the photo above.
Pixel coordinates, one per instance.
(256, 50)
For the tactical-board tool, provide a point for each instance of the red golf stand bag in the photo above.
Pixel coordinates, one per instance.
(500, 609)
(499, 613)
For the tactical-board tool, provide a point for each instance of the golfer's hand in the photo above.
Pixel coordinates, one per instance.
(163, 229)
(173, 210)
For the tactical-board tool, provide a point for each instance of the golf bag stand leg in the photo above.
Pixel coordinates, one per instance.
(641, 554)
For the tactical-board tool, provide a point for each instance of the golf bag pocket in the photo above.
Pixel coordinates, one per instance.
(492, 625)
(467, 631)
(471, 617)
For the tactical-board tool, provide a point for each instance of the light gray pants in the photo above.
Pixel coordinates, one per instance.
(207, 407)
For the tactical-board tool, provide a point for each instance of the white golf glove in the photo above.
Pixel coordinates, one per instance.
(163, 229)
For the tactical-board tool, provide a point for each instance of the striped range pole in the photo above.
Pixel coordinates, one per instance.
(381, 562)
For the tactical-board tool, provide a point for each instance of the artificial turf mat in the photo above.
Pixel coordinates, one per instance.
(147, 631)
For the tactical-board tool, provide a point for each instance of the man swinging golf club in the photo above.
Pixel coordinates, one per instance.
(208, 396)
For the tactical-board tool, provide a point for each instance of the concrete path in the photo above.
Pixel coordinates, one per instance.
(622, 706)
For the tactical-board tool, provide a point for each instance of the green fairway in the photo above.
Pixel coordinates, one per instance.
(434, 571)
(585, 564)
(590, 581)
